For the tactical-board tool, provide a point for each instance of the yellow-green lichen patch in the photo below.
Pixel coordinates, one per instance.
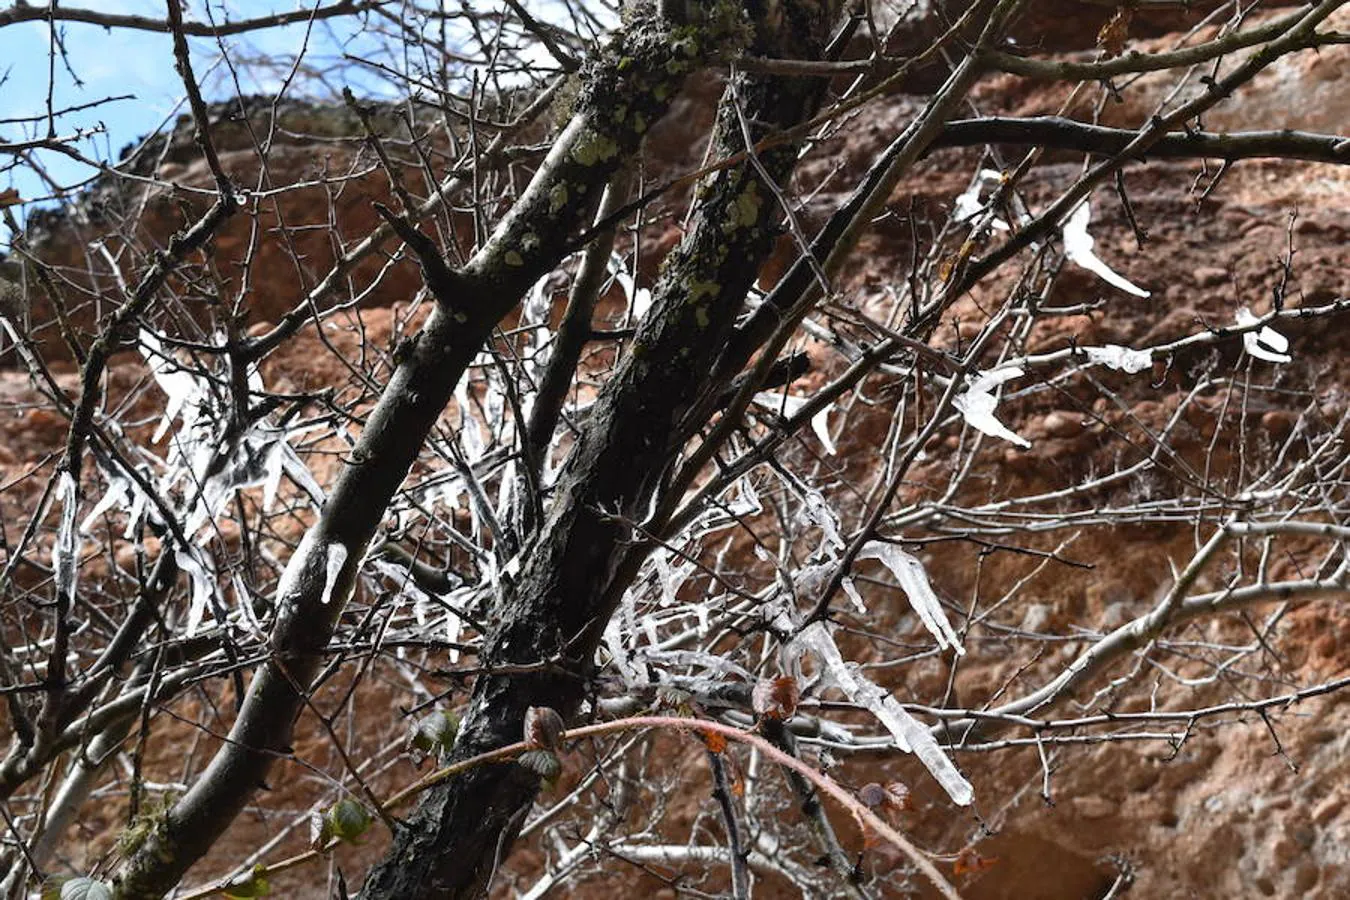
(743, 212)
(701, 289)
(557, 198)
(593, 147)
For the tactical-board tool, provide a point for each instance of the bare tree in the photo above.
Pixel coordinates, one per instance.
(564, 489)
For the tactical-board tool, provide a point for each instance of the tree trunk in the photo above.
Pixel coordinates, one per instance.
(583, 560)
(638, 73)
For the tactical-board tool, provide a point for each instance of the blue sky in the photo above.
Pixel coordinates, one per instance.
(132, 64)
(138, 67)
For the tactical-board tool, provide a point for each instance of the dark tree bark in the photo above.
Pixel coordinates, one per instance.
(627, 86)
(583, 560)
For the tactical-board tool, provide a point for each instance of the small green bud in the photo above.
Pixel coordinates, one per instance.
(347, 820)
(251, 887)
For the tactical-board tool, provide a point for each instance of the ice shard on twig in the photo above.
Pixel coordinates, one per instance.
(1078, 246)
(978, 402)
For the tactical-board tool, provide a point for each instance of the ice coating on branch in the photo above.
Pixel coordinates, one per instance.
(335, 557)
(851, 590)
(260, 457)
(119, 489)
(1078, 248)
(423, 603)
(1124, 359)
(818, 512)
(179, 385)
(788, 406)
(66, 550)
(203, 587)
(701, 612)
(244, 602)
(910, 734)
(273, 467)
(639, 299)
(670, 578)
(289, 583)
(619, 655)
(18, 344)
(1267, 343)
(211, 466)
(739, 501)
(534, 321)
(978, 402)
(970, 203)
(469, 437)
(913, 580)
(723, 668)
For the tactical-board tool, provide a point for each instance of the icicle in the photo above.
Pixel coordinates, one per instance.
(140, 503)
(914, 581)
(977, 404)
(788, 406)
(469, 436)
(335, 557)
(851, 590)
(274, 466)
(179, 386)
(1078, 246)
(289, 583)
(639, 299)
(203, 587)
(969, 203)
(505, 491)
(457, 600)
(245, 603)
(118, 490)
(66, 550)
(723, 667)
(1267, 344)
(910, 734)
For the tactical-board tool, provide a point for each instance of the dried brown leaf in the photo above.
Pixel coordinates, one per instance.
(968, 862)
(1116, 32)
(716, 743)
(775, 698)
